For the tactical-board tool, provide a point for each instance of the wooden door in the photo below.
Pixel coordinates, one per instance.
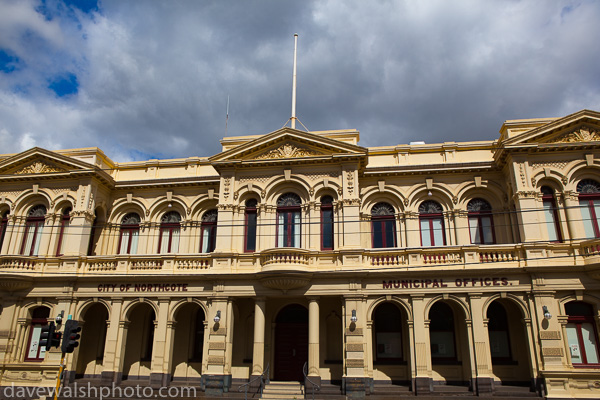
(291, 350)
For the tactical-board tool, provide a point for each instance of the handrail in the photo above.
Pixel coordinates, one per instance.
(305, 372)
(263, 377)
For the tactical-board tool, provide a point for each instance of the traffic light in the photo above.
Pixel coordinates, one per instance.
(71, 336)
(46, 336)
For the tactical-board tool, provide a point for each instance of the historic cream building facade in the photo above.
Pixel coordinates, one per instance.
(472, 264)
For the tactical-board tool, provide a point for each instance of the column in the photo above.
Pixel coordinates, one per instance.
(215, 379)
(574, 223)
(160, 352)
(47, 233)
(313, 343)
(423, 381)
(355, 380)
(76, 237)
(483, 375)
(8, 236)
(111, 372)
(258, 354)
(7, 325)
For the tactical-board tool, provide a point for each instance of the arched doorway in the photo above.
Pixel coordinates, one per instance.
(140, 340)
(291, 343)
(508, 344)
(188, 344)
(93, 337)
(449, 344)
(391, 353)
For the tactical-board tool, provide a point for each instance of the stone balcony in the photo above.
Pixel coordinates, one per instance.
(585, 254)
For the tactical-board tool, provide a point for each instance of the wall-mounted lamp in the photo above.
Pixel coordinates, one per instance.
(170, 205)
(218, 316)
(60, 317)
(429, 193)
(547, 314)
(353, 317)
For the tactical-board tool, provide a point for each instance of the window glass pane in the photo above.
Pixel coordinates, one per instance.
(499, 344)
(281, 230)
(442, 345)
(164, 241)
(589, 342)
(474, 228)
(327, 216)
(29, 239)
(134, 242)
(550, 225)
(377, 234)
(174, 240)
(438, 233)
(488, 235)
(597, 211)
(206, 239)
(124, 242)
(389, 345)
(573, 343)
(251, 232)
(296, 230)
(425, 233)
(38, 238)
(64, 233)
(390, 238)
(35, 342)
(586, 217)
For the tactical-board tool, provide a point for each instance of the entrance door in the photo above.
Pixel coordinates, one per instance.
(291, 343)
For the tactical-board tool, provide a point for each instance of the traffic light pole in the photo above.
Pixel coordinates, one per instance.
(60, 373)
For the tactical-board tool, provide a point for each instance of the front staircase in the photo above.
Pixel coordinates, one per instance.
(283, 391)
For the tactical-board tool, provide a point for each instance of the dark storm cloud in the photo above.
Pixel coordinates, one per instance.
(153, 77)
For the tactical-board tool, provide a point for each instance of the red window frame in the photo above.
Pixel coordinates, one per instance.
(167, 227)
(212, 236)
(480, 215)
(578, 320)
(289, 210)
(326, 207)
(127, 230)
(32, 223)
(431, 218)
(549, 198)
(250, 210)
(589, 198)
(3, 226)
(382, 219)
(34, 322)
(64, 221)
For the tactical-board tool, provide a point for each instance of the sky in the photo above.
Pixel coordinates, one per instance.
(145, 79)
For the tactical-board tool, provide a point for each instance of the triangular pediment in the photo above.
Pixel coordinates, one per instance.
(581, 127)
(287, 144)
(37, 161)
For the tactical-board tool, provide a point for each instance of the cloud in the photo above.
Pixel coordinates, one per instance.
(152, 78)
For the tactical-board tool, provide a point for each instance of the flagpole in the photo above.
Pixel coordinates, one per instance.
(294, 84)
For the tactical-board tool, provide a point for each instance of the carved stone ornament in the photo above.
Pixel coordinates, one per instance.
(39, 167)
(285, 283)
(287, 150)
(584, 134)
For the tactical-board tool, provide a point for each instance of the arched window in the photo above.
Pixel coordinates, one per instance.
(3, 225)
(481, 224)
(33, 231)
(130, 233)
(39, 318)
(551, 214)
(581, 333)
(65, 219)
(250, 215)
(441, 331)
(383, 226)
(499, 334)
(288, 220)
(208, 240)
(170, 225)
(432, 224)
(326, 223)
(388, 334)
(589, 204)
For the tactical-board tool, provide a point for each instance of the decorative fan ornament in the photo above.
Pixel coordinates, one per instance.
(588, 186)
(210, 216)
(382, 209)
(430, 207)
(172, 217)
(37, 211)
(478, 205)
(131, 219)
(289, 200)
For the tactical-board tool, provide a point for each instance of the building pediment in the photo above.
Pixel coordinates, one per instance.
(287, 144)
(581, 127)
(37, 161)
